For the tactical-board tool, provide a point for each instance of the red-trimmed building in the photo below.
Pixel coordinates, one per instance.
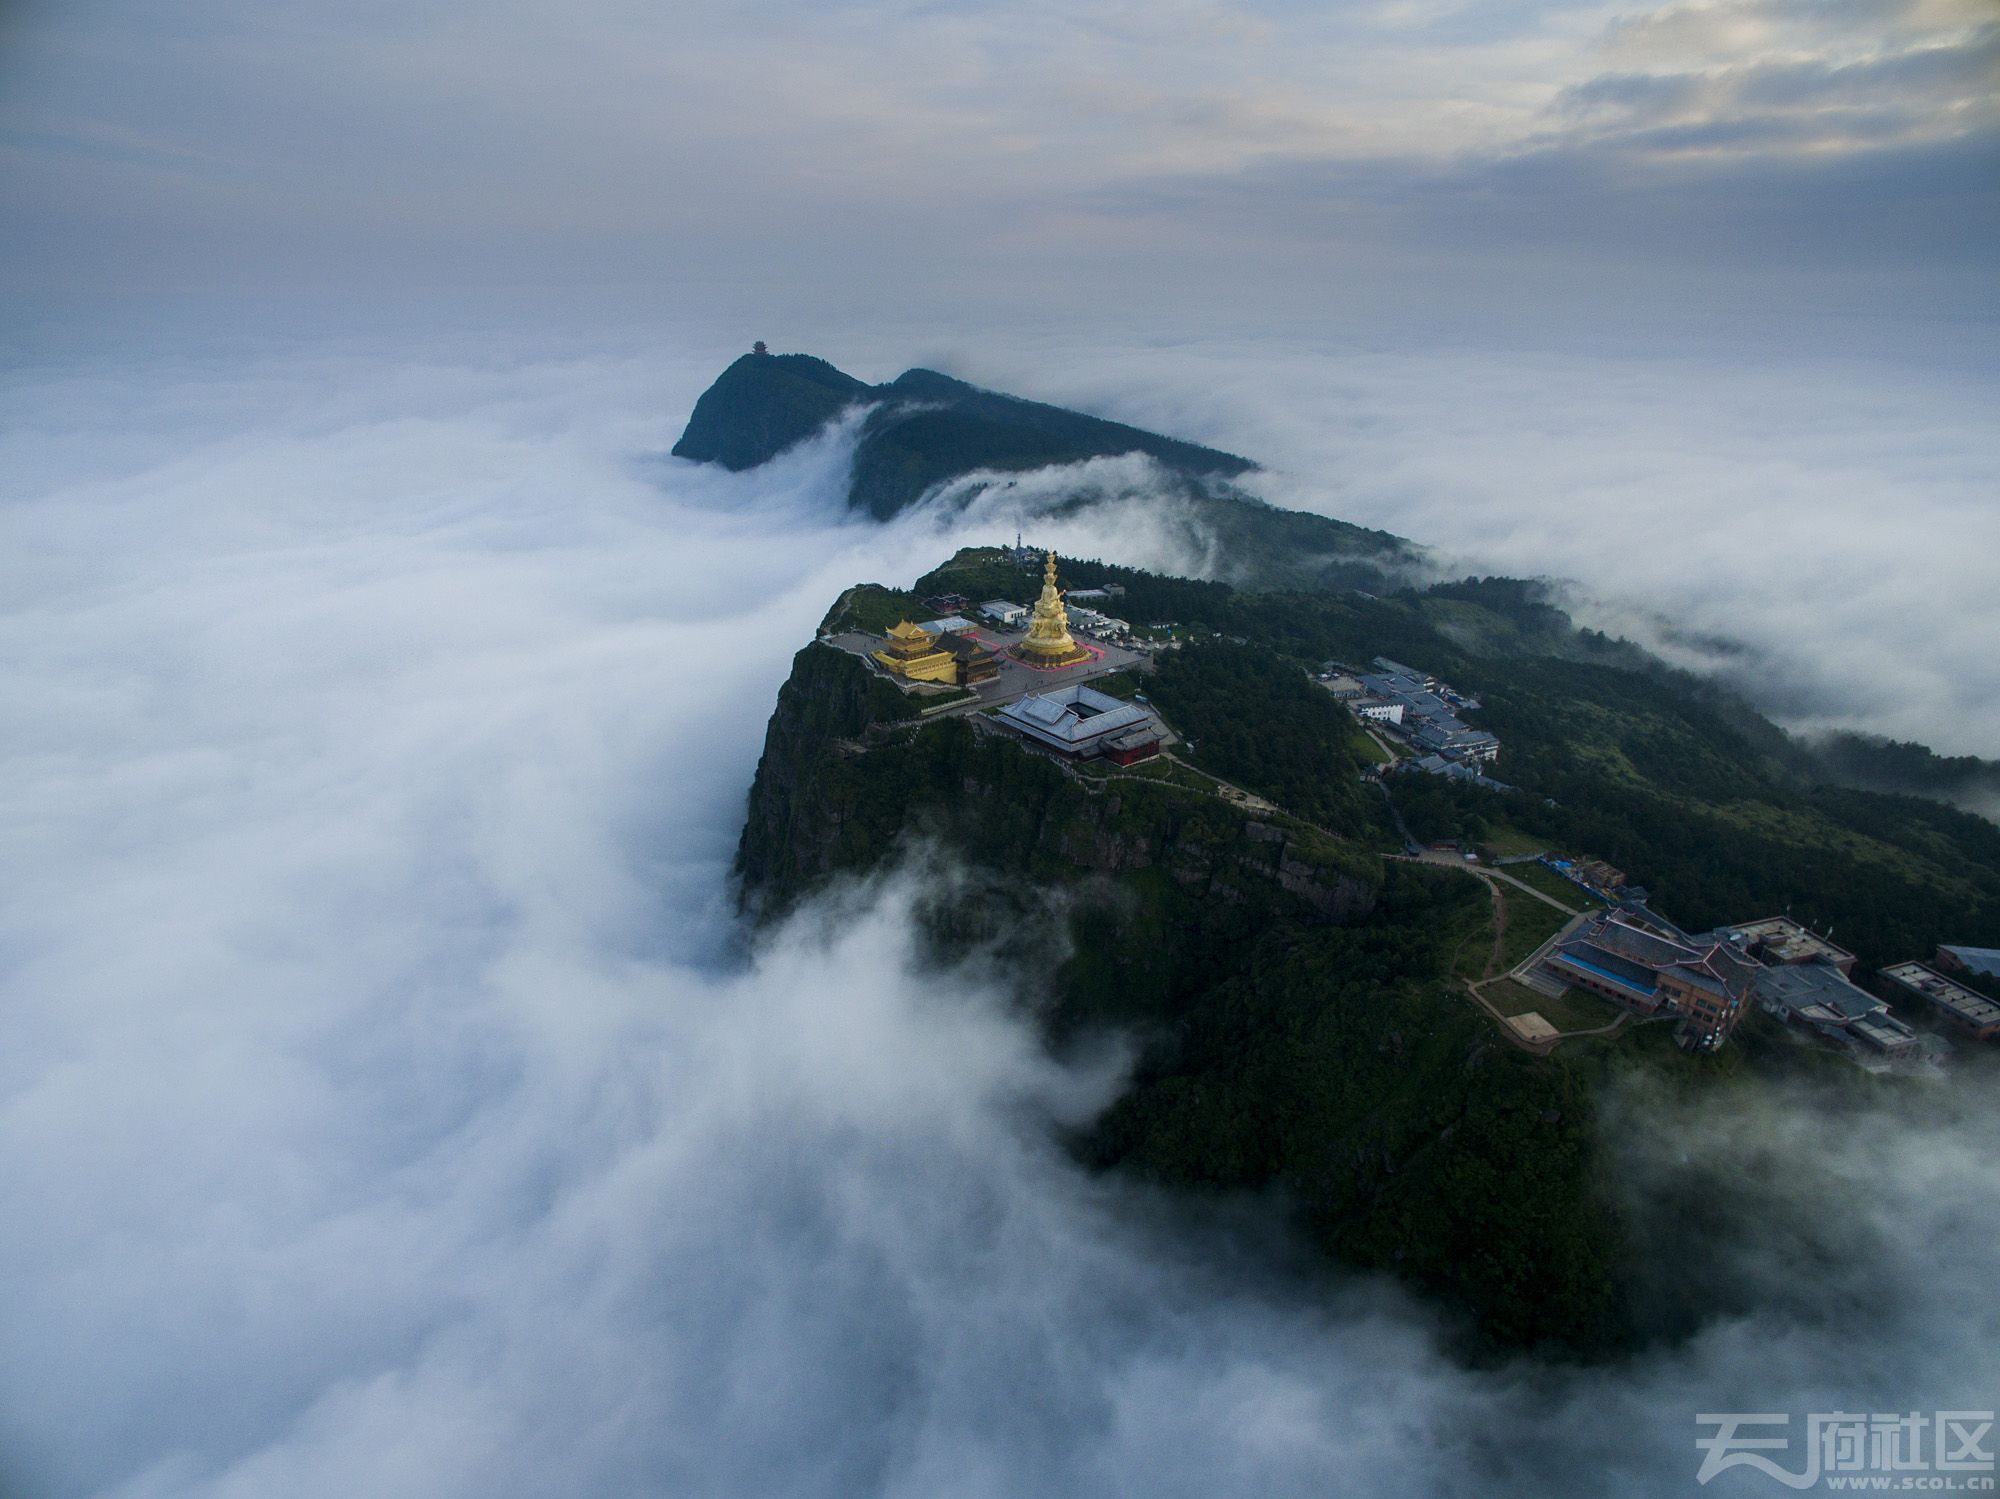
(1650, 966)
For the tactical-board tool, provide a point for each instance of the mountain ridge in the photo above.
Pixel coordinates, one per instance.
(924, 430)
(927, 429)
(1296, 986)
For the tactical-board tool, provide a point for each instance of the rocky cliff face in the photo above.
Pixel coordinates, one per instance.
(1299, 1027)
(824, 715)
(847, 779)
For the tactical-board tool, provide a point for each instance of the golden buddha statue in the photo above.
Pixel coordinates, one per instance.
(1048, 641)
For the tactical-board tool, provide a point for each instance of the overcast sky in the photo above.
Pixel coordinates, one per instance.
(1102, 160)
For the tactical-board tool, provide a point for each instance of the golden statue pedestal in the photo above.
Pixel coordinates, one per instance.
(1048, 641)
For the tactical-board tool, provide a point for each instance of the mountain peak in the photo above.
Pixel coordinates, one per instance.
(763, 404)
(931, 427)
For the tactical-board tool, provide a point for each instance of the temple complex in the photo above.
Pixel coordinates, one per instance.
(976, 664)
(914, 655)
(1048, 641)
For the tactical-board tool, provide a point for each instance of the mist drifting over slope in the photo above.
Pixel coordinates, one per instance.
(1815, 530)
(386, 1111)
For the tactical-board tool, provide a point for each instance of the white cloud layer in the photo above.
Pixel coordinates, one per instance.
(383, 1110)
(1832, 519)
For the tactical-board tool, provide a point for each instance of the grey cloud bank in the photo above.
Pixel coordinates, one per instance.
(1104, 161)
(385, 1111)
(1827, 524)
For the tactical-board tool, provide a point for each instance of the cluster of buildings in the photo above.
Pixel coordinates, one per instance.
(1422, 710)
(1077, 606)
(1651, 967)
(1021, 556)
(1643, 962)
(947, 652)
(1595, 877)
(1096, 622)
(1454, 770)
(1633, 956)
(1011, 616)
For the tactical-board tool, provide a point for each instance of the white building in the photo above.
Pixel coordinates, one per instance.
(1377, 710)
(1010, 616)
(1091, 621)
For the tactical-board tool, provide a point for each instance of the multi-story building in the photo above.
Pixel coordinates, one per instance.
(1460, 741)
(1779, 939)
(1818, 997)
(1966, 1009)
(1650, 966)
(1424, 713)
(1377, 710)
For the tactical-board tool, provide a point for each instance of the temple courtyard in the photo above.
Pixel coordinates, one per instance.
(1014, 678)
(943, 658)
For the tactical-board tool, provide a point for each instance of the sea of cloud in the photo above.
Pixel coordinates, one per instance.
(387, 1107)
(1814, 528)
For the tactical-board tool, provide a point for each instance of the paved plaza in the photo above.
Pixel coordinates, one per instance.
(1016, 679)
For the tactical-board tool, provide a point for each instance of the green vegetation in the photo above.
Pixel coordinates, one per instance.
(1503, 842)
(1471, 944)
(1259, 721)
(871, 609)
(761, 405)
(1574, 1010)
(1121, 684)
(1337, 1063)
(1871, 764)
(1299, 1002)
(1367, 750)
(1530, 923)
(1437, 809)
(1554, 885)
(931, 428)
(1167, 772)
(1510, 998)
